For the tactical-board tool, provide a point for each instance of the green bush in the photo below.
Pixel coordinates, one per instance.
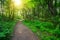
(44, 30)
(6, 28)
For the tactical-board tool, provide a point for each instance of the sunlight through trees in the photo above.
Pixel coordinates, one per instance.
(39, 15)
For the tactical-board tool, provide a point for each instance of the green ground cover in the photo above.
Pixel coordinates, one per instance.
(44, 30)
(6, 29)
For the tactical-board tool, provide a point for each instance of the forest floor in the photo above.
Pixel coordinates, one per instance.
(21, 32)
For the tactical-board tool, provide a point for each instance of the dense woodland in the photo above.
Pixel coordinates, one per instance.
(41, 16)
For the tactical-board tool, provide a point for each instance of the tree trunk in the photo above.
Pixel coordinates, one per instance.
(51, 7)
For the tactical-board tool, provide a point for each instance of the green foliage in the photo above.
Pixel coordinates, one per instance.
(6, 28)
(47, 25)
(44, 30)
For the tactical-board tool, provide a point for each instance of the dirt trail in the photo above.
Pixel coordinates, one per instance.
(21, 32)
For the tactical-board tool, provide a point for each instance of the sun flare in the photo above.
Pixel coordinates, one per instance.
(17, 2)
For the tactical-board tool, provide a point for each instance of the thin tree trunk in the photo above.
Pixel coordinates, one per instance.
(51, 7)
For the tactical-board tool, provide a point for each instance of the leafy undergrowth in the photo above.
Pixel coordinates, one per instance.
(44, 30)
(6, 29)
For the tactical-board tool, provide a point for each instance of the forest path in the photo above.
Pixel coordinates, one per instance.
(21, 32)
